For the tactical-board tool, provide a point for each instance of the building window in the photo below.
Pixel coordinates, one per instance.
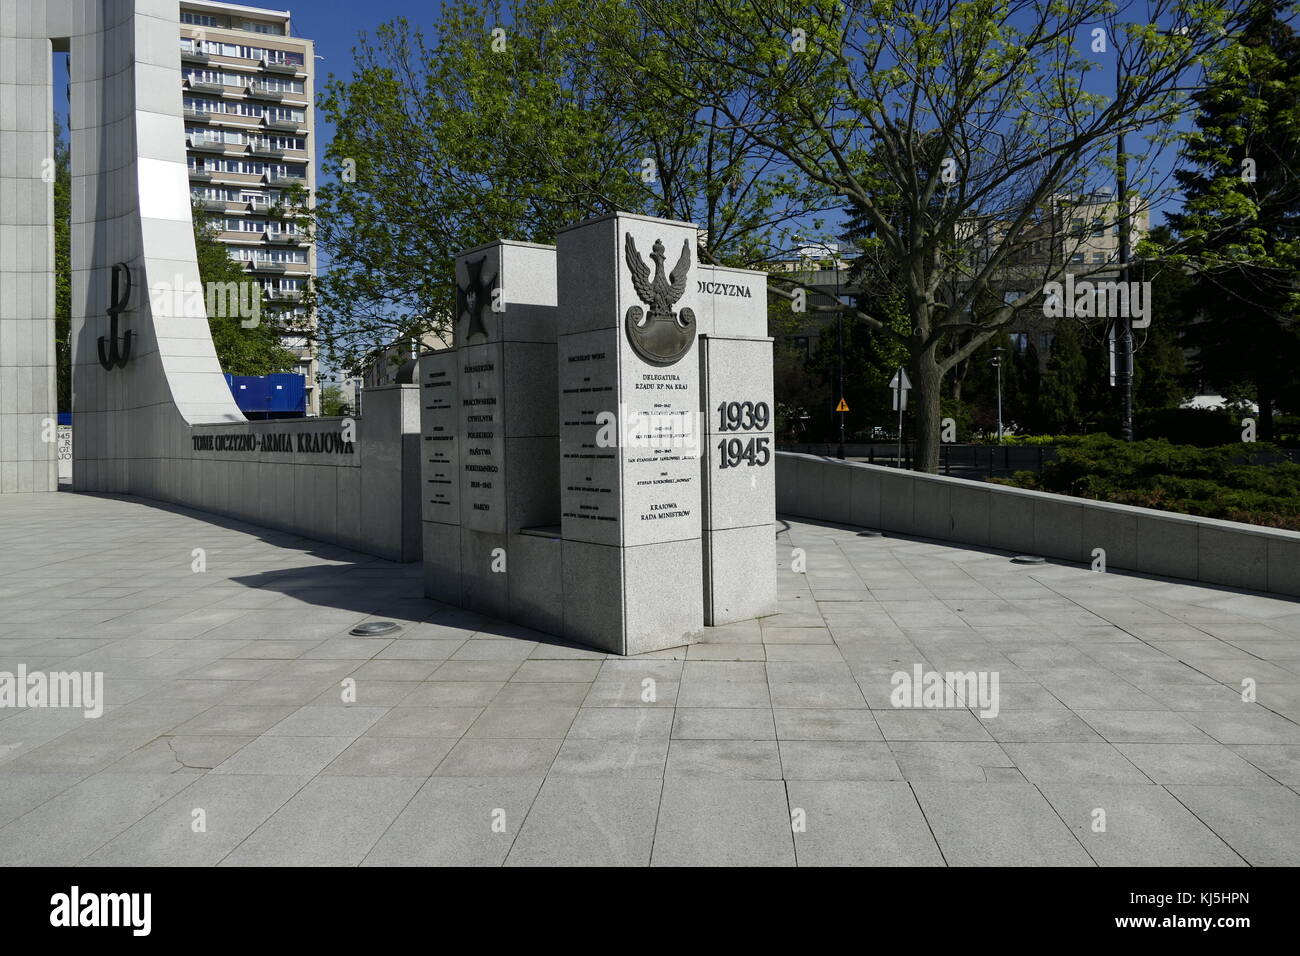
(272, 29)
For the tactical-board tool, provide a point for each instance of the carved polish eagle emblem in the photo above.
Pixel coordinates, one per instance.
(662, 336)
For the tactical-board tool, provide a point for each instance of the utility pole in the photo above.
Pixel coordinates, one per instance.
(1123, 323)
(839, 322)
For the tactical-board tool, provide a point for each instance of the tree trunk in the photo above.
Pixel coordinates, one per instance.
(926, 383)
(959, 376)
(1264, 397)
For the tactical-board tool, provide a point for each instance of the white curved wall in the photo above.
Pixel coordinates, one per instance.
(136, 426)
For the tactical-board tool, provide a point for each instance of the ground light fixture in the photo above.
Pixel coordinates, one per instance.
(375, 628)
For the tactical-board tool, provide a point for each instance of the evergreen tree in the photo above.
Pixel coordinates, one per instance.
(1240, 226)
(1059, 410)
(1160, 375)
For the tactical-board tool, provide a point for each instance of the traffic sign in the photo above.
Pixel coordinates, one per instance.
(900, 386)
(843, 406)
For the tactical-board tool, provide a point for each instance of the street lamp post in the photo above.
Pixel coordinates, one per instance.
(997, 364)
(839, 323)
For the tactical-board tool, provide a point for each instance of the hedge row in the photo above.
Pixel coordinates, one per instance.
(1238, 482)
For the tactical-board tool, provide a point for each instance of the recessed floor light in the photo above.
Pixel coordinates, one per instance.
(375, 628)
(1027, 559)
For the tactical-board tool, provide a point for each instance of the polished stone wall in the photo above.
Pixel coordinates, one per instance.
(1038, 523)
(28, 445)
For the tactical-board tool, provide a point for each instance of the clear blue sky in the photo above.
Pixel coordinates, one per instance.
(334, 25)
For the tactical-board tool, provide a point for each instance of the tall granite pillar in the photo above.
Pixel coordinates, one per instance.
(28, 402)
(738, 464)
(440, 474)
(629, 403)
(491, 436)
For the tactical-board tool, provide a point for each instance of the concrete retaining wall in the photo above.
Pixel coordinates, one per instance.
(364, 496)
(1035, 522)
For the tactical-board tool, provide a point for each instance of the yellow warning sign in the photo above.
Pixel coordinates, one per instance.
(843, 406)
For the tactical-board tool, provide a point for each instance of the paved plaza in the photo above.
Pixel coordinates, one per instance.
(1121, 735)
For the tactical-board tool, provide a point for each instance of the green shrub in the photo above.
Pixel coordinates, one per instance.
(1031, 440)
(1202, 427)
(1236, 482)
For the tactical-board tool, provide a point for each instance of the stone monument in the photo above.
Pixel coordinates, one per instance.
(598, 444)
(490, 432)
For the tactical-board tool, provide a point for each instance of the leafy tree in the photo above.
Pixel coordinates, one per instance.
(332, 402)
(457, 137)
(877, 353)
(240, 350)
(953, 124)
(1240, 227)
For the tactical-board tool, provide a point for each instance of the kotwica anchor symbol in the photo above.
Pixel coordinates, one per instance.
(118, 303)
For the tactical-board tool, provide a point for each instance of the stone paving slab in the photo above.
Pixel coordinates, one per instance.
(236, 696)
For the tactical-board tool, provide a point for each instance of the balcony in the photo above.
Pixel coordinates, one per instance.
(287, 69)
(284, 125)
(205, 86)
(263, 93)
(194, 56)
(284, 238)
(201, 175)
(223, 178)
(280, 179)
(198, 114)
(213, 205)
(208, 145)
(260, 148)
(266, 265)
(283, 295)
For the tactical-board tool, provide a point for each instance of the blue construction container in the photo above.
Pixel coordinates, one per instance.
(281, 395)
(286, 394)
